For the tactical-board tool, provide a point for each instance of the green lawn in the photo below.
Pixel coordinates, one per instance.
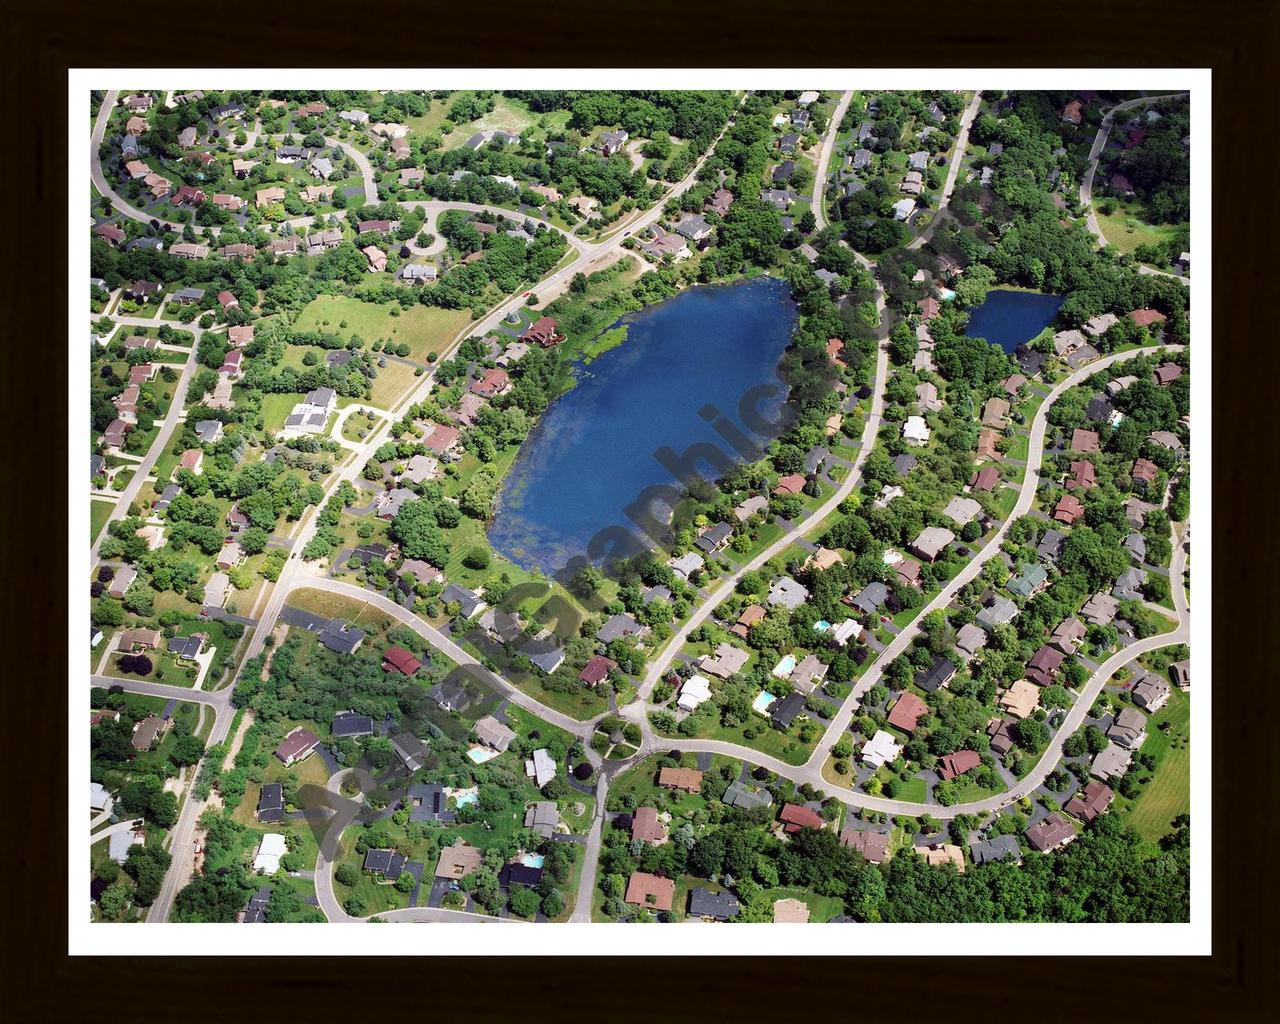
(1168, 794)
(98, 512)
(821, 908)
(1126, 230)
(424, 329)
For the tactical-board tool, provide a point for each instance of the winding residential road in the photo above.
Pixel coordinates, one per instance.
(819, 201)
(1026, 495)
(167, 426)
(1095, 157)
(949, 186)
(100, 179)
(718, 590)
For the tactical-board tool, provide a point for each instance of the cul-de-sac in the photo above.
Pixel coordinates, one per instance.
(547, 506)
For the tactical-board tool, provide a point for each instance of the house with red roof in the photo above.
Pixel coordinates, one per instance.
(650, 891)
(597, 670)
(1068, 509)
(984, 479)
(400, 660)
(544, 332)
(494, 382)
(907, 712)
(794, 817)
(952, 765)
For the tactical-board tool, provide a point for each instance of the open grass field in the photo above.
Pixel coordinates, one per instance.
(1169, 792)
(393, 383)
(1126, 230)
(98, 513)
(422, 328)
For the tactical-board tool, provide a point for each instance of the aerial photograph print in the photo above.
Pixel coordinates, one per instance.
(601, 507)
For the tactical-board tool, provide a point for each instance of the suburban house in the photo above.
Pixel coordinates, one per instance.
(1150, 693)
(650, 891)
(936, 676)
(795, 817)
(458, 861)
(1052, 833)
(984, 851)
(1020, 699)
(1090, 801)
(493, 734)
(712, 906)
(726, 661)
(907, 712)
(297, 746)
(931, 542)
(271, 802)
(400, 660)
(873, 845)
(880, 750)
(685, 779)
(1044, 665)
(647, 827)
(1129, 729)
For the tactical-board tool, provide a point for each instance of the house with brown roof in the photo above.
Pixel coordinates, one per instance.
(650, 891)
(874, 846)
(597, 670)
(750, 616)
(1167, 373)
(1083, 475)
(1073, 112)
(544, 332)
(987, 441)
(400, 660)
(1084, 441)
(685, 779)
(297, 746)
(995, 412)
(951, 766)
(907, 712)
(1147, 317)
(1052, 833)
(1068, 636)
(458, 861)
(647, 827)
(148, 730)
(492, 383)
(1068, 509)
(1093, 799)
(1044, 665)
(1145, 470)
(984, 479)
(795, 817)
(792, 483)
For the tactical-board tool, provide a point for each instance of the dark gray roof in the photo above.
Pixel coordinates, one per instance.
(784, 711)
(348, 724)
(904, 464)
(936, 675)
(705, 903)
(871, 597)
(389, 862)
(271, 802)
(341, 638)
(995, 848)
(427, 802)
(185, 646)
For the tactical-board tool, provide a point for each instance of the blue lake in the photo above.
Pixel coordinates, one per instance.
(593, 451)
(1010, 319)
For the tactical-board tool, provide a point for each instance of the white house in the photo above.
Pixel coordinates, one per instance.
(270, 850)
(880, 750)
(695, 691)
(915, 431)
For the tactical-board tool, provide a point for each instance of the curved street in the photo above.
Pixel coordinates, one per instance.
(590, 256)
(168, 425)
(1095, 157)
